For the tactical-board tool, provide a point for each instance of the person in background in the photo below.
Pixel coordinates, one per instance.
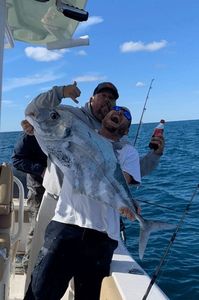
(29, 158)
(100, 103)
(83, 234)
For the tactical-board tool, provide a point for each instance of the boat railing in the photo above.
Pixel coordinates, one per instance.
(9, 236)
(16, 236)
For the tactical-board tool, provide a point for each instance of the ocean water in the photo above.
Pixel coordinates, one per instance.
(171, 185)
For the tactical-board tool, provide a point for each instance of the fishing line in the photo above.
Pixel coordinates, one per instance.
(157, 205)
(144, 108)
(157, 271)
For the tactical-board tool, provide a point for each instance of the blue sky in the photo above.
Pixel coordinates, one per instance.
(131, 42)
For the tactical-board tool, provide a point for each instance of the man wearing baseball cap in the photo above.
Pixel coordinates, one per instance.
(106, 87)
(104, 98)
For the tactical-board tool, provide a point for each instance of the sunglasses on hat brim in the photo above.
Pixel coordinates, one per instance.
(126, 113)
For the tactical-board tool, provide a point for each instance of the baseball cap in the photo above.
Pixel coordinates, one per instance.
(106, 86)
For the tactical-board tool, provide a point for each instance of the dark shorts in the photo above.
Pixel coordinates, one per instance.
(71, 251)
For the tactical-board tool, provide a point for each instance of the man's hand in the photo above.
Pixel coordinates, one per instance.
(27, 127)
(72, 91)
(126, 212)
(158, 140)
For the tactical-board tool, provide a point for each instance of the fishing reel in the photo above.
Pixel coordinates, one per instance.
(70, 11)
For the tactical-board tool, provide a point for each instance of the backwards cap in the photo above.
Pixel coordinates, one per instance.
(106, 86)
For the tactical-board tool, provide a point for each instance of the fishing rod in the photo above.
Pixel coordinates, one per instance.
(157, 271)
(144, 108)
(136, 137)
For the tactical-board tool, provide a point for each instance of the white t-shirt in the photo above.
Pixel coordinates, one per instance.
(128, 158)
(73, 208)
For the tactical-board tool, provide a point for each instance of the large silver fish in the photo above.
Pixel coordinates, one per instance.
(89, 162)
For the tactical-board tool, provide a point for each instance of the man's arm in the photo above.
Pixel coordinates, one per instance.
(27, 166)
(147, 164)
(25, 150)
(151, 160)
(51, 98)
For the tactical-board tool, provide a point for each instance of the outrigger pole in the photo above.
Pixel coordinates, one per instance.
(157, 271)
(144, 108)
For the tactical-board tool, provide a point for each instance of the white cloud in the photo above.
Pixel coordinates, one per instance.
(89, 78)
(90, 22)
(140, 84)
(9, 103)
(81, 53)
(140, 46)
(43, 54)
(35, 79)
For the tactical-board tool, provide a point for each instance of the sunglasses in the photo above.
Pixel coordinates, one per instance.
(126, 113)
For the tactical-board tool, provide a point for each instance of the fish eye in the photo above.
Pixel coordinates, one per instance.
(54, 115)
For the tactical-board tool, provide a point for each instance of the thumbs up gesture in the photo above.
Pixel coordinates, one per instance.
(72, 91)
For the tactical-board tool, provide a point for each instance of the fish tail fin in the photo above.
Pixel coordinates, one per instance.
(145, 230)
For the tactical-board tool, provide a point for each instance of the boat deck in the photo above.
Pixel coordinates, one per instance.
(127, 281)
(17, 284)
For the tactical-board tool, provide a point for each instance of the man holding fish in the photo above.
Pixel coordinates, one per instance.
(84, 232)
